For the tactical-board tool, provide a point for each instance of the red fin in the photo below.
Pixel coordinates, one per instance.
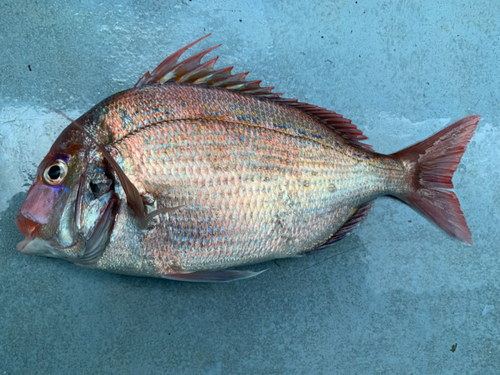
(193, 71)
(165, 67)
(134, 198)
(357, 218)
(335, 121)
(430, 165)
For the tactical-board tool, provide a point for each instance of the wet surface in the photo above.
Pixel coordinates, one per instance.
(396, 296)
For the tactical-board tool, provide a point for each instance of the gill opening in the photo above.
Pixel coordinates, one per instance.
(134, 198)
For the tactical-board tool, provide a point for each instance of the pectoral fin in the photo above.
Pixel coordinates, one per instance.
(96, 244)
(134, 198)
(223, 276)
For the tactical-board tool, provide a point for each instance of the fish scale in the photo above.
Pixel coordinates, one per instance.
(239, 182)
(130, 111)
(195, 171)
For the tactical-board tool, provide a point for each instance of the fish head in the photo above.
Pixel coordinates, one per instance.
(69, 210)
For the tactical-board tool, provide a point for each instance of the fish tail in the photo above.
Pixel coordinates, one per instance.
(429, 166)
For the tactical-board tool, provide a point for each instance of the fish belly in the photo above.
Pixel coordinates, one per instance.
(248, 194)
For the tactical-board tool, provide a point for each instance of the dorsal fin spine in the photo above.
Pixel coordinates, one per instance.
(199, 72)
(193, 71)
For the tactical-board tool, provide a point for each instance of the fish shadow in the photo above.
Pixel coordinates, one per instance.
(9, 234)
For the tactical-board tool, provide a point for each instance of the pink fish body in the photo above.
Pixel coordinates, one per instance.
(195, 171)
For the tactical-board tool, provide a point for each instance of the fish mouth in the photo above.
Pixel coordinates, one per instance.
(21, 245)
(36, 246)
(26, 226)
(31, 244)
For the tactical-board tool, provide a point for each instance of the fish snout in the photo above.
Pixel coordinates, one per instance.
(21, 246)
(32, 244)
(26, 226)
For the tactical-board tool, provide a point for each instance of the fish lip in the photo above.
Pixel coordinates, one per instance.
(26, 225)
(36, 246)
(21, 245)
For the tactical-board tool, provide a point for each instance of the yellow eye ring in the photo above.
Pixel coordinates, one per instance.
(55, 172)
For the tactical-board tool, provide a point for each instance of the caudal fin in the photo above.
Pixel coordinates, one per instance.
(430, 166)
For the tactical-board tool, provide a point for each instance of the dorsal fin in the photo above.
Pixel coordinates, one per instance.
(193, 71)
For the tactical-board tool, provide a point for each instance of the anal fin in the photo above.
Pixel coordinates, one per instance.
(357, 218)
(222, 276)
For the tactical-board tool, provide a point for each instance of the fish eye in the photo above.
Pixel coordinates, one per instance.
(55, 172)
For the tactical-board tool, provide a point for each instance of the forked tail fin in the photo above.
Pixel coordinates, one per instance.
(430, 165)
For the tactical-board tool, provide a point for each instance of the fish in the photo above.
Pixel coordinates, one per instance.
(196, 171)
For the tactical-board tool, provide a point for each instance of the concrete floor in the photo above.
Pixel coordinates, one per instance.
(394, 297)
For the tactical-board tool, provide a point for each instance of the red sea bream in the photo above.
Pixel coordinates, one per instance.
(195, 171)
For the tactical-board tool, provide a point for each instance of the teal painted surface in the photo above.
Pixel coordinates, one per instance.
(392, 298)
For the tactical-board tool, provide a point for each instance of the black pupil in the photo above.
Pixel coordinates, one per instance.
(95, 188)
(54, 172)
